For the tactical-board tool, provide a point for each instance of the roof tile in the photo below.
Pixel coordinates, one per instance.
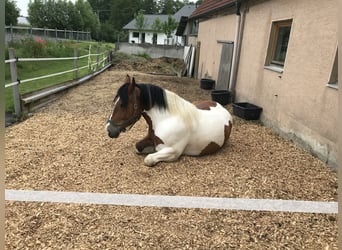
(209, 6)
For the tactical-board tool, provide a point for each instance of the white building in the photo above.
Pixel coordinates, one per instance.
(148, 35)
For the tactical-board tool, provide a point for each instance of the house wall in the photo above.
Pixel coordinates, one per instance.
(210, 32)
(154, 51)
(297, 102)
(192, 40)
(161, 38)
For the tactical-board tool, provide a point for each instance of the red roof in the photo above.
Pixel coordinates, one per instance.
(208, 6)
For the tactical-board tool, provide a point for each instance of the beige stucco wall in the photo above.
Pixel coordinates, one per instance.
(210, 32)
(296, 103)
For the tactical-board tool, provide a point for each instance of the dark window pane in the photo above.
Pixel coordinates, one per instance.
(281, 45)
(334, 72)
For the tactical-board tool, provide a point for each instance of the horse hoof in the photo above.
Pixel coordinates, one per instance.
(149, 161)
(147, 150)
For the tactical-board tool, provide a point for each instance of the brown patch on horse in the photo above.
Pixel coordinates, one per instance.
(204, 105)
(151, 140)
(227, 130)
(212, 147)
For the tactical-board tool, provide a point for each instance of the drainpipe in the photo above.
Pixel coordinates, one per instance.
(236, 50)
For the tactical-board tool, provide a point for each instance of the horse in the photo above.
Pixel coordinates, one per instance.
(175, 126)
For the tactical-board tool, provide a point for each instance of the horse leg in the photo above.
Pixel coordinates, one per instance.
(145, 146)
(165, 154)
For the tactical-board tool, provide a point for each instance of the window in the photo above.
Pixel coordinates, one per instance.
(194, 27)
(155, 38)
(333, 81)
(277, 48)
(136, 34)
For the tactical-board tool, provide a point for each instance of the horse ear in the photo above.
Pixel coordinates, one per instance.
(131, 85)
(128, 79)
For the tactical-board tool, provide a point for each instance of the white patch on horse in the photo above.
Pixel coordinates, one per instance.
(111, 115)
(182, 108)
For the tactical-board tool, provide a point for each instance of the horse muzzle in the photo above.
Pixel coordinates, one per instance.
(114, 131)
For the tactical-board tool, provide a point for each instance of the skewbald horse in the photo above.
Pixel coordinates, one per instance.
(175, 126)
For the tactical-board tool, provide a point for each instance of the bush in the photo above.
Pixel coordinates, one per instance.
(29, 47)
(144, 55)
(58, 49)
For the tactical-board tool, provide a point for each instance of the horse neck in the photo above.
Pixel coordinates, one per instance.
(181, 108)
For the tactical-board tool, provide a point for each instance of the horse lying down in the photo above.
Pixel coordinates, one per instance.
(175, 126)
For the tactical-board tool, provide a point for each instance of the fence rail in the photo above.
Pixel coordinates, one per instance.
(14, 33)
(98, 65)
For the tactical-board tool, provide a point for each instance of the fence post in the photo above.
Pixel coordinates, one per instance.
(97, 57)
(75, 63)
(14, 78)
(11, 33)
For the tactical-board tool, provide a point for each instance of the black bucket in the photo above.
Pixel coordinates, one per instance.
(247, 111)
(221, 96)
(207, 83)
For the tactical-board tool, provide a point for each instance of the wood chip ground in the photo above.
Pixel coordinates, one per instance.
(64, 147)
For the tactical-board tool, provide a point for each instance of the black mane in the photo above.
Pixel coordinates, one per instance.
(150, 96)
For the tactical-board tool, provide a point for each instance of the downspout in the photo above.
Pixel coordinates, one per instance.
(237, 46)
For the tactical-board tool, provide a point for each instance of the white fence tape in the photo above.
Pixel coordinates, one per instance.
(90, 65)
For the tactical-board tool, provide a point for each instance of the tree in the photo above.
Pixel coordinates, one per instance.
(11, 13)
(140, 22)
(150, 6)
(170, 7)
(157, 25)
(62, 14)
(102, 8)
(90, 20)
(169, 27)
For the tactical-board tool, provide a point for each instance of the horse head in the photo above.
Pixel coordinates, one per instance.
(127, 108)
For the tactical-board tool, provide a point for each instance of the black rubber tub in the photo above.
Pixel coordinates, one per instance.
(247, 110)
(223, 97)
(207, 83)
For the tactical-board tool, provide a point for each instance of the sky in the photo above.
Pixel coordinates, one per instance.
(22, 5)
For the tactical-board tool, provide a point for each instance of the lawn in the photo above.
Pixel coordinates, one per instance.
(30, 48)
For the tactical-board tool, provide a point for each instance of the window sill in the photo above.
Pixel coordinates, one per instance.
(333, 86)
(274, 68)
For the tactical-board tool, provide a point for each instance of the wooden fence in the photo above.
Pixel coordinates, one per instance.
(94, 67)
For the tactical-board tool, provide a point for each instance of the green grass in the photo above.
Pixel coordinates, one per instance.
(27, 70)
